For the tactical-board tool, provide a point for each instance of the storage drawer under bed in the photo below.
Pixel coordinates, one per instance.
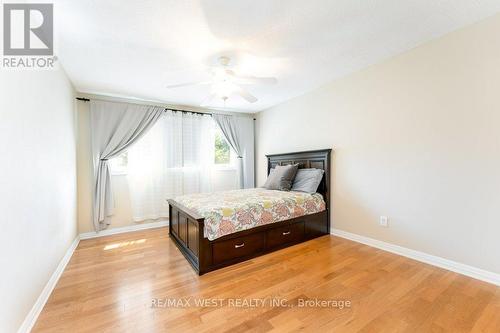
(291, 233)
(238, 247)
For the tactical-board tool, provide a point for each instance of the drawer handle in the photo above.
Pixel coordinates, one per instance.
(237, 246)
(286, 233)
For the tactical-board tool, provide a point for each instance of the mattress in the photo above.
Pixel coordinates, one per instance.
(228, 212)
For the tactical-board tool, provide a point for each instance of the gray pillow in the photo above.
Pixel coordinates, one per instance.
(281, 177)
(307, 180)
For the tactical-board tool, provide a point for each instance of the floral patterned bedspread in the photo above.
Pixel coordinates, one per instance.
(228, 212)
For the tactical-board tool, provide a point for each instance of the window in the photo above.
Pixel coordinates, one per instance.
(222, 149)
(119, 164)
(223, 153)
(224, 157)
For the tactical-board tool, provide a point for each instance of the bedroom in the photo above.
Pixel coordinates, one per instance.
(250, 166)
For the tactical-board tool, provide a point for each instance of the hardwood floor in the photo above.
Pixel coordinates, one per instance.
(111, 282)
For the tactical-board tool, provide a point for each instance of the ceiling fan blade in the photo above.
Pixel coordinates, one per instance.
(246, 95)
(208, 99)
(254, 80)
(197, 83)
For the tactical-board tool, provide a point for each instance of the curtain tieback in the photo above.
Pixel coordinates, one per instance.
(104, 159)
(239, 156)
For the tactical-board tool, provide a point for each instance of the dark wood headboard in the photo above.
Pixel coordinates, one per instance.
(318, 159)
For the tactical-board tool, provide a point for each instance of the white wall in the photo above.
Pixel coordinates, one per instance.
(416, 138)
(37, 185)
(223, 180)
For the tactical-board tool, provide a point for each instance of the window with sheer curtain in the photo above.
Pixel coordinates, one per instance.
(175, 157)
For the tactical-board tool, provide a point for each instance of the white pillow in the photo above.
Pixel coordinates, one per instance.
(307, 180)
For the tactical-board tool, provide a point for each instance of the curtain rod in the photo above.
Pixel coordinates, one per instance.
(176, 110)
(171, 109)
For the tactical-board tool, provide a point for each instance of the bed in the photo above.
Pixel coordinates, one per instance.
(214, 230)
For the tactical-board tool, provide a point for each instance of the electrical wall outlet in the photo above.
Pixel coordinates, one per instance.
(384, 221)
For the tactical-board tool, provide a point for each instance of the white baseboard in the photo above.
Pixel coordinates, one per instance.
(32, 316)
(121, 230)
(37, 308)
(450, 265)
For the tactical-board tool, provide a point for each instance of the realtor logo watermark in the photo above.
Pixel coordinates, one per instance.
(28, 36)
(249, 303)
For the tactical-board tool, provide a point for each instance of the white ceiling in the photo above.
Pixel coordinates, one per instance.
(135, 48)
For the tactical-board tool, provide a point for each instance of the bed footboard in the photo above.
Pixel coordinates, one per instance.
(186, 229)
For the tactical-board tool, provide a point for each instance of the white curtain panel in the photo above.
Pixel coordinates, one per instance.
(174, 158)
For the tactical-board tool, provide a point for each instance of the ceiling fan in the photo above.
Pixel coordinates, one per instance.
(225, 82)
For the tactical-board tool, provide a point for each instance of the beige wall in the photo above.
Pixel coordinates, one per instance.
(223, 180)
(416, 138)
(37, 185)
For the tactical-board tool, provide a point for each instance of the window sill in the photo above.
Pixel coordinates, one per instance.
(224, 168)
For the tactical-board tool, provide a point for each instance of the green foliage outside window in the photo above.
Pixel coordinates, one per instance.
(222, 151)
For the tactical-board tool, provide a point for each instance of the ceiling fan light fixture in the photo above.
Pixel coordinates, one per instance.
(219, 73)
(224, 88)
